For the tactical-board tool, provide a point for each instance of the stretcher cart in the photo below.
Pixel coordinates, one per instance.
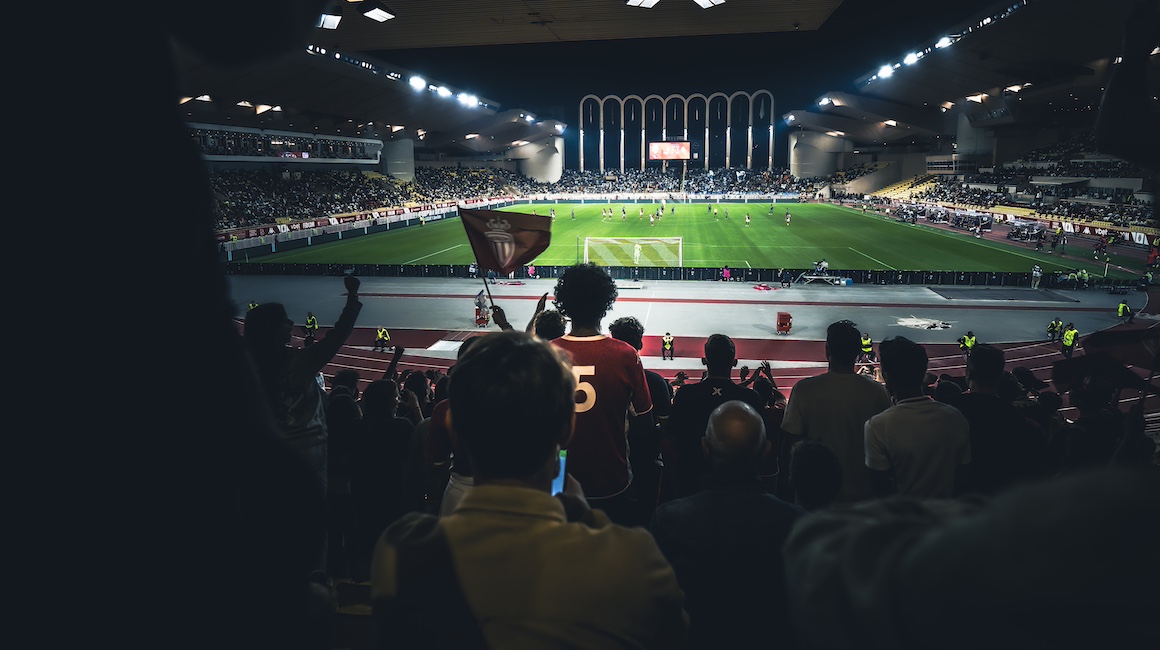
(784, 322)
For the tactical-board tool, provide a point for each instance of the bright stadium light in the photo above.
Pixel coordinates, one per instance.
(376, 12)
(443, 91)
(825, 101)
(647, 4)
(891, 123)
(467, 100)
(885, 71)
(912, 58)
(418, 83)
(330, 17)
(705, 4)
(945, 41)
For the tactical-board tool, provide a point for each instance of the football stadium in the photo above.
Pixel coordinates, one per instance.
(607, 324)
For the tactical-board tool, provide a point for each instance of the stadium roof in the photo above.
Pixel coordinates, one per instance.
(1016, 62)
(340, 88)
(1060, 47)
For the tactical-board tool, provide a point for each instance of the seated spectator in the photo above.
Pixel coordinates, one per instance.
(722, 541)
(529, 570)
(815, 474)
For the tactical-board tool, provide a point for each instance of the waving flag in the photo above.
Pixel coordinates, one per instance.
(505, 241)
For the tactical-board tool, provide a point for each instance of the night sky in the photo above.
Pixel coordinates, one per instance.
(549, 79)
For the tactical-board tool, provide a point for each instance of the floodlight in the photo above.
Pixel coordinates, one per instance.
(443, 91)
(467, 100)
(789, 118)
(647, 4)
(945, 41)
(418, 83)
(891, 123)
(911, 58)
(824, 101)
(705, 4)
(376, 11)
(530, 118)
(330, 17)
(885, 71)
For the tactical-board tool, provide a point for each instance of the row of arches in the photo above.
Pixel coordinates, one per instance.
(724, 130)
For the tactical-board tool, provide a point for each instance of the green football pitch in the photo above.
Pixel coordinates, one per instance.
(842, 236)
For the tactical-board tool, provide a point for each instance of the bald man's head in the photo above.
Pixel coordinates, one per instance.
(735, 435)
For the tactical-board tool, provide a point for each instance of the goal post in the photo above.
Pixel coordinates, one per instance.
(635, 251)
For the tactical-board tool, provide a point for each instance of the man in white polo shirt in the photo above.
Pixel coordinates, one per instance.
(918, 447)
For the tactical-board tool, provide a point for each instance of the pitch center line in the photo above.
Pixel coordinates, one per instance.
(432, 254)
(872, 259)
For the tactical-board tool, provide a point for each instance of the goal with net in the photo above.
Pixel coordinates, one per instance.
(634, 251)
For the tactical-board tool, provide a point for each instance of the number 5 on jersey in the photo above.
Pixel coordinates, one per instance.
(584, 387)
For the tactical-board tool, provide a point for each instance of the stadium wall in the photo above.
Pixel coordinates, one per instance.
(546, 165)
(399, 159)
(815, 154)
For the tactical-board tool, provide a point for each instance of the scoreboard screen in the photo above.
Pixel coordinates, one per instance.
(669, 150)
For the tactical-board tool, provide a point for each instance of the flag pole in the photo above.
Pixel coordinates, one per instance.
(488, 290)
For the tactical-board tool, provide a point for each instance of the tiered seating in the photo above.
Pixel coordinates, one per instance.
(904, 189)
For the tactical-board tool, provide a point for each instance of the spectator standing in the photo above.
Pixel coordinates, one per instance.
(477, 577)
(1036, 276)
(1006, 448)
(288, 374)
(833, 408)
(918, 447)
(724, 540)
(693, 404)
(644, 437)
(612, 388)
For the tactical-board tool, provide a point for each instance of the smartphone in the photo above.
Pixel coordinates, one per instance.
(558, 482)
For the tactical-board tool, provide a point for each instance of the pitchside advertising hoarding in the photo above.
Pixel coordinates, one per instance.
(669, 150)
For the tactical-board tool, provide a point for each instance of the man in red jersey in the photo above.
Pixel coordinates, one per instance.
(611, 387)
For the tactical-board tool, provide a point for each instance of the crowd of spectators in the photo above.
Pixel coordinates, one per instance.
(1121, 214)
(957, 192)
(689, 554)
(248, 143)
(249, 197)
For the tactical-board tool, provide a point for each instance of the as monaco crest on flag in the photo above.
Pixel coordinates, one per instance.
(505, 241)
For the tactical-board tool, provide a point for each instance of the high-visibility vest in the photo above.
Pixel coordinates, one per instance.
(867, 345)
(1054, 326)
(667, 341)
(1123, 310)
(1069, 337)
(384, 335)
(253, 304)
(311, 323)
(968, 342)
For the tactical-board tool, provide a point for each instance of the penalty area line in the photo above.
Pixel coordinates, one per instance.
(872, 259)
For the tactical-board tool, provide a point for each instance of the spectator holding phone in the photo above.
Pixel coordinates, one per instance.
(530, 570)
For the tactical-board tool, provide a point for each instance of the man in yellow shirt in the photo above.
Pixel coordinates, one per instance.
(1070, 340)
(514, 566)
(382, 338)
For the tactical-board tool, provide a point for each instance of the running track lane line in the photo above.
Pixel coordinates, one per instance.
(872, 259)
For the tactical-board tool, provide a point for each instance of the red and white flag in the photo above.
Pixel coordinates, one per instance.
(505, 241)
